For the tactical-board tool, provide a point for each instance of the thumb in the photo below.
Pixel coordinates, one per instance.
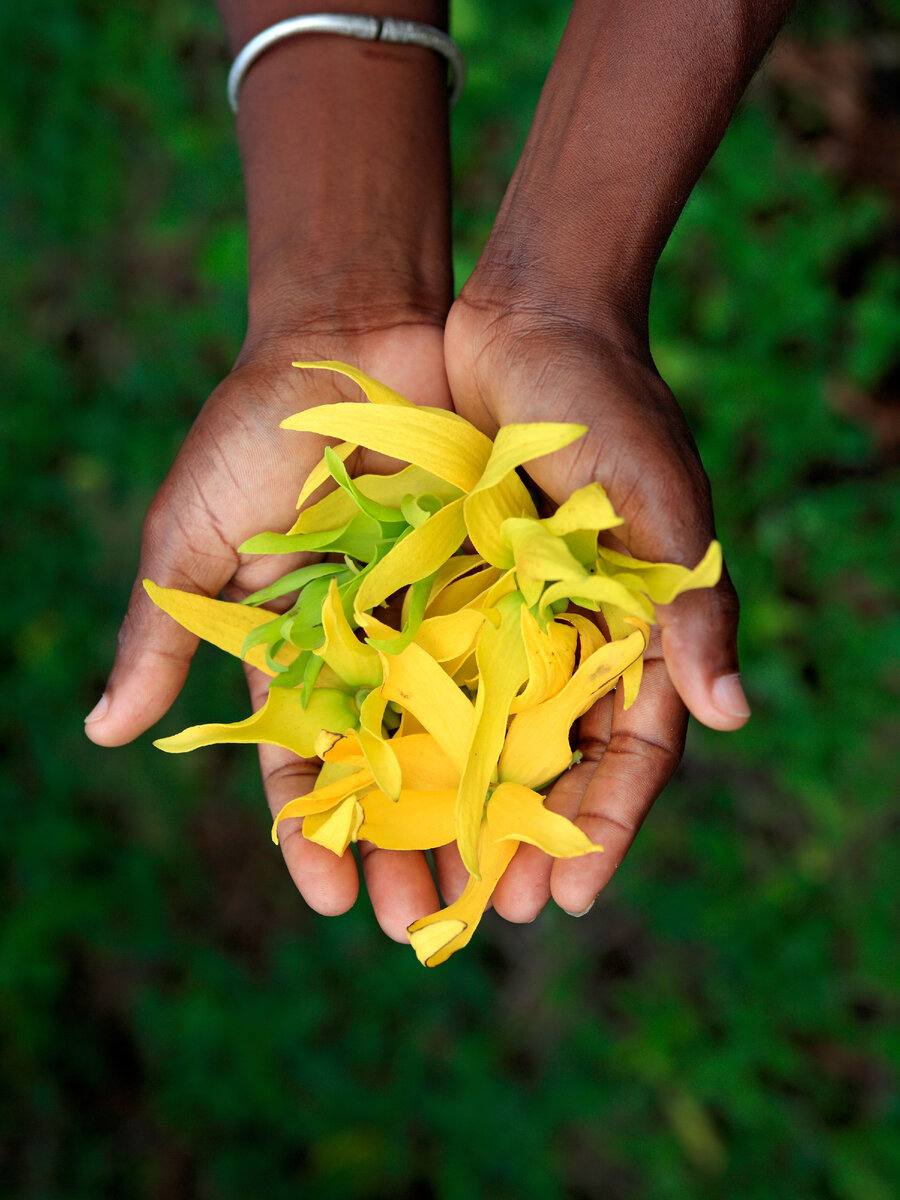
(153, 652)
(699, 639)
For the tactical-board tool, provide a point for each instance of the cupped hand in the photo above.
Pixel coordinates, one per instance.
(506, 367)
(238, 474)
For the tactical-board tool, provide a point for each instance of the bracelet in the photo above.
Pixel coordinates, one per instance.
(370, 29)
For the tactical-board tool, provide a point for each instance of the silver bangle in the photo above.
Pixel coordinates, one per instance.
(370, 29)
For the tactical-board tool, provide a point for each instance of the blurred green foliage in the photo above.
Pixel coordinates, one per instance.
(174, 1023)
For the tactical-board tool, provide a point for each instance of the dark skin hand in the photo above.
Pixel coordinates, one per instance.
(350, 261)
(346, 159)
(552, 326)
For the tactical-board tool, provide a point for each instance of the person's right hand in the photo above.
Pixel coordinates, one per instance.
(238, 474)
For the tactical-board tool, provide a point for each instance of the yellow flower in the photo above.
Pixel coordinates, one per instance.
(449, 726)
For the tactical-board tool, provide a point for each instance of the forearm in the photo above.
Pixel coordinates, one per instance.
(637, 99)
(346, 163)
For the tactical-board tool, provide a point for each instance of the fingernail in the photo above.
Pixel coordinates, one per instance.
(98, 712)
(728, 696)
(584, 912)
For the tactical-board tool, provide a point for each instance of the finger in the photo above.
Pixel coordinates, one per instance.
(153, 652)
(327, 882)
(452, 875)
(699, 639)
(400, 887)
(629, 757)
(524, 887)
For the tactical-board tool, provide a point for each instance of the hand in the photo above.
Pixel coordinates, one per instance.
(505, 368)
(236, 475)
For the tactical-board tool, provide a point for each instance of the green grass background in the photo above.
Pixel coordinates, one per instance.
(173, 1022)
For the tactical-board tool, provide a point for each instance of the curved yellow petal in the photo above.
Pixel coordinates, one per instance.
(377, 393)
(353, 660)
(454, 451)
(319, 475)
(539, 554)
(451, 635)
(587, 508)
(664, 581)
(322, 799)
(468, 591)
(414, 557)
(413, 680)
(220, 622)
(551, 659)
(333, 511)
(598, 591)
(391, 490)
(500, 493)
(590, 637)
(379, 753)
(336, 828)
(282, 721)
(416, 820)
(502, 668)
(517, 813)
(537, 744)
(436, 937)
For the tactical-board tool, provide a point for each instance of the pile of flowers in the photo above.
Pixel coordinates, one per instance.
(448, 722)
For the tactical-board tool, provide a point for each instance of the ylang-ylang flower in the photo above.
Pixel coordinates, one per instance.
(438, 655)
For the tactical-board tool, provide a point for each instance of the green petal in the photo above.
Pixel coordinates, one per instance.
(320, 473)
(293, 581)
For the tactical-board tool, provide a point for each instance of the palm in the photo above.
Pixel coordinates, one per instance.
(238, 474)
(639, 447)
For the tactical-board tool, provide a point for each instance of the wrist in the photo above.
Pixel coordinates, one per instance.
(345, 150)
(634, 105)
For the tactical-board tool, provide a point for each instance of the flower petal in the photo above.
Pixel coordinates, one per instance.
(417, 820)
(537, 744)
(450, 636)
(414, 557)
(282, 721)
(320, 473)
(436, 937)
(502, 668)
(421, 687)
(220, 622)
(351, 659)
(379, 753)
(336, 828)
(587, 508)
(517, 813)
(456, 593)
(377, 393)
(454, 451)
(551, 658)
(664, 581)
